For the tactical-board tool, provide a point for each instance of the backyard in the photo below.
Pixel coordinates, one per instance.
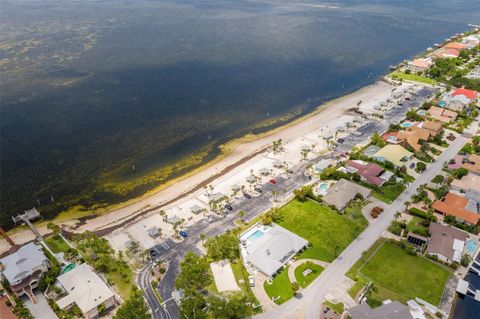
(57, 244)
(412, 77)
(398, 275)
(317, 223)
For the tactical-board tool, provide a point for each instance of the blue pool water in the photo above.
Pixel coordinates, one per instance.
(442, 104)
(406, 124)
(421, 112)
(471, 246)
(256, 235)
(323, 187)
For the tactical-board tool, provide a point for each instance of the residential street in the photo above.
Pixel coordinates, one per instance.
(308, 305)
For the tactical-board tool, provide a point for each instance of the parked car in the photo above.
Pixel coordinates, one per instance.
(229, 207)
(153, 253)
(251, 281)
(273, 181)
(341, 140)
(183, 233)
(258, 189)
(412, 165)
(209, 219)
(247, 195)
(290, 171)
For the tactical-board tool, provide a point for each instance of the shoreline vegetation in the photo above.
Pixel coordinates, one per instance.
(80, 213)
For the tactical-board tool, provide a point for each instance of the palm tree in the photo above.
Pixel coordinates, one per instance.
(397, 215)
(241, 214)
(202, 237)
(406, 203)
(163, 214)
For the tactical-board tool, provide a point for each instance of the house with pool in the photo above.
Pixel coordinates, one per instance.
(268, 248)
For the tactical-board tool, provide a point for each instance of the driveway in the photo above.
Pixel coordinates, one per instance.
(40, 310)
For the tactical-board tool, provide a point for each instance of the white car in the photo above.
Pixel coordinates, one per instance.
(251, 281)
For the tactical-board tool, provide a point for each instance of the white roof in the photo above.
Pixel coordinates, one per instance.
(273, 249)
(458, 249)
(21, 264)
(84, 287)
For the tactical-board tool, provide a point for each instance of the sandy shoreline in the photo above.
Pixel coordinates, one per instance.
(240, 152)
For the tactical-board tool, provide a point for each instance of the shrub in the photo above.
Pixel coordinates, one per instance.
(418, 212)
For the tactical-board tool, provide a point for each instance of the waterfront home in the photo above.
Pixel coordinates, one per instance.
(446, 242)
(269, 248)
(24, 268)
(342, 192)
(455, 46)
(419, 65)
(460, 207)
(442, 115)
(459, 99)
(85, 289)
(393, 153)
(388, 310)
(444, 53)
(369, 172)
(473, 164)
(471, 41)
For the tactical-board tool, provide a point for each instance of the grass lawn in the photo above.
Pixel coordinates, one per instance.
(122, 286)
(328, 232)
(412, 77)
(395, 274)
(280, 287)
(57, 244)
(241, 274)
(337, 307)
(415, 226)
(304, 281)
(389, 192)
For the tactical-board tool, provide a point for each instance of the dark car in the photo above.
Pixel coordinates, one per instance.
(258, 189)
(247, 195)
(341, 140)
(153, 253)
(183, 233)
(412, 165)
(290, 171)
(229, 207)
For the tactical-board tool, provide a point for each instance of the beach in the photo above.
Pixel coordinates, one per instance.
(214, 173)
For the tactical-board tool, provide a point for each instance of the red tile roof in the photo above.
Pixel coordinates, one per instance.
(454, 205)
(471, 94)
(369, 171)
(455, 46)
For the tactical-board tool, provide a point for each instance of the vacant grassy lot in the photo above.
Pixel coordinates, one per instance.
(304, 281)
(412, 77)
(395, 274)
(280, 287)
(57, 244)
(328, 232)
(389, 192)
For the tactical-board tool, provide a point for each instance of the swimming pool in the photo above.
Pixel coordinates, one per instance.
(406, 124)
(392, 138)
(471, 246)
(421, 112)
(256, 235)
(322, 188)
(68, 268)
(442, 104)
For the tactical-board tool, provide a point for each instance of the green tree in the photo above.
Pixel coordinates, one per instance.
(233, 308)
(222, 247)
(54, 228)
(194, 273)
(421, 166)
(133, 307)
(192, 305)
(438, 180)
(295, 287)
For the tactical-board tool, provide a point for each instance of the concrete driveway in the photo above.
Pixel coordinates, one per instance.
(40, 310)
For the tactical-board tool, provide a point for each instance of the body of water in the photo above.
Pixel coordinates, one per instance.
(105, 100)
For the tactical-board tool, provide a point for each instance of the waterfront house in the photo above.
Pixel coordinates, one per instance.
(444, 53)
(455, 46)
(393, 153)
(419, 65)
(446, 242)
(460, 207)
(85, 289)
(24, 268)
(459, 99)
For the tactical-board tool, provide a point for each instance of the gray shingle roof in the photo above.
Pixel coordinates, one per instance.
(21, 264)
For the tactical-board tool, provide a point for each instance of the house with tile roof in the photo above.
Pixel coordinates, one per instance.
(473, 164)
(393, 153)
(413, 137)
(466, 183)
(459, 207)
(455, 46)
(84, 288)
(369, 172)
(446, 242)
(444, 53)
(420, 65)
(442, 115)
(459, 99)
(434, 127)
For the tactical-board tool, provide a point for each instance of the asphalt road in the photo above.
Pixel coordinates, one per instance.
(308, 305)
